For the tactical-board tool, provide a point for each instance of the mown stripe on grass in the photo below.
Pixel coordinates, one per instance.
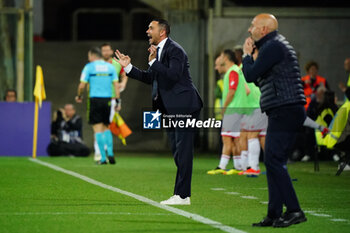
(79, 213)
(183, 213)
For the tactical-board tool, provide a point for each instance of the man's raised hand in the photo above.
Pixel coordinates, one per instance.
(123, 60)
(248, 46)
(152, 52)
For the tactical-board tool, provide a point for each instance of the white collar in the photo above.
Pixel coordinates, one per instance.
(162, 43)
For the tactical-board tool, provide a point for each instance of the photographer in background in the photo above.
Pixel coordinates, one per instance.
(66, 134)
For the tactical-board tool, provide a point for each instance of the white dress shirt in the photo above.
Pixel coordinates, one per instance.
(161, 44)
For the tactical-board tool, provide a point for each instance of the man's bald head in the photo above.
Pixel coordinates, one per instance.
(262, 25)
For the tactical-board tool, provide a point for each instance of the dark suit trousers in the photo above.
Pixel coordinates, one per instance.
(283, 125)
(181, 141)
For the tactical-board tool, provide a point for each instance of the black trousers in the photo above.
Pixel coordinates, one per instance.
(283, 125)
(62, 148)
(182, 143)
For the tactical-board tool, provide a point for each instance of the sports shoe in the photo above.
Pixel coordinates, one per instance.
(97, 157)
(232, 172)
(111, 159)
(241, 173)
(177, 200)
(251, 171)
(306, 158)
(346, 168)
(216, 171)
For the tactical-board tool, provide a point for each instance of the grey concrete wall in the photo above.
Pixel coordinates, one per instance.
(62, 63)
(326, 41)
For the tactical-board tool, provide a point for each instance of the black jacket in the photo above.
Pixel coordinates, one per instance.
(276, 71)
(175, 85)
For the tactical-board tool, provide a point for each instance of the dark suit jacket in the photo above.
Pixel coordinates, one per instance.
(175, 86)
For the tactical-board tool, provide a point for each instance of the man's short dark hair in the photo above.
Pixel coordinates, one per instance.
(239, 49)
(10, 90)
(164, 25)
(310, 64)
(106, 44)
(230, 55)
(96, 51)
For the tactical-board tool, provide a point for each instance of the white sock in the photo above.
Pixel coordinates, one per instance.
(237, 162)
(253, 153)
(97, 149)
(244, 159)
(224, 161)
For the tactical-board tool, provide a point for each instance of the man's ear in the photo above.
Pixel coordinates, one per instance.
(162, 32)
(265, 30)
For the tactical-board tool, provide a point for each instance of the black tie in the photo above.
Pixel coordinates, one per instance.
(155, 83)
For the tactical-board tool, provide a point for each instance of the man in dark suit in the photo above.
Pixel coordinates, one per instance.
(172, 93)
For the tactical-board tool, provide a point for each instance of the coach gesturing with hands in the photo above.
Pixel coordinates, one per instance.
(173, 93)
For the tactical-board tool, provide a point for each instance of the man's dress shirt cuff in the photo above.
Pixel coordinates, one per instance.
(128, 68)
(151, 62)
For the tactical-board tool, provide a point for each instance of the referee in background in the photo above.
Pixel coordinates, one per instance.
(100, 76)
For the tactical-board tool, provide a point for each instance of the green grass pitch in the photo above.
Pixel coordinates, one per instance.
(34, 198)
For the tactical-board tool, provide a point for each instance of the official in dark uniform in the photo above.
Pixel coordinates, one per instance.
(276, 72)
(173, 93)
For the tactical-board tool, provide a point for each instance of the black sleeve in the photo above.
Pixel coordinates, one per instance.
(268, 57)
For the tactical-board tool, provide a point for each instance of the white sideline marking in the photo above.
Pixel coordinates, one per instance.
(249, 197)
(339, 220)
(183, 213)
(264, 202)
(80, 213)
(313, 213)
(321, 215)
(232, 193)
(218, 189)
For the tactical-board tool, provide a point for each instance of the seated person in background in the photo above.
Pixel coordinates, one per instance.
(10, 95)
(322, 100)
(322, 109)
(312, 81)
(66, 134)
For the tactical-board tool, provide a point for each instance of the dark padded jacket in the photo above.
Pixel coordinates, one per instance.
(276, 72)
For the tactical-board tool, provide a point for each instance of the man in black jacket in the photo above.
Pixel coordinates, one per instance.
(276, 72)
(173, 93)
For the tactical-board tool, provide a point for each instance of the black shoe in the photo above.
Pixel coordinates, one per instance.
(266, 222)
(101, 163)
(111, 159)
(290, 218)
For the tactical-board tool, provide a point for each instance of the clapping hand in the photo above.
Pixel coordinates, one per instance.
(123, 60)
